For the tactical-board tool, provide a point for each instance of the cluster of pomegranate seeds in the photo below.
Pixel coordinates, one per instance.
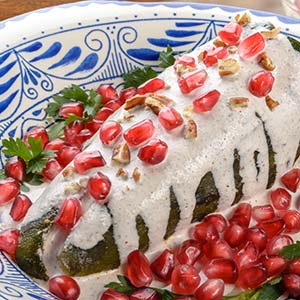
(210, 57)
(261, 83)
(151, 86)
(36, 133)
(15, 168)
(191, 81)
(206, 102)
(110, 132)
(64, 287)
(20, 207)
(154, 152)
(72, 108)
(9, 189)
(231, 33)
(85, 161)
(99, 187)
(9, 241)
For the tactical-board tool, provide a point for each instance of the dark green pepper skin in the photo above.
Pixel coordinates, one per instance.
(142, 231)
(238, 180)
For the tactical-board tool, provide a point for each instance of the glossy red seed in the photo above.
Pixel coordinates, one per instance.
(247, 256)
(252, 277)
(110, 132)
(127, 94)
(170, 118)
(211, 289)
(93, 125)
(103, 114)
(204, 232)
(185, 279)
(64, 287)
(20, 207)
(138, 269)
(263, 213)
(261, 83)
(113, 105)
(274, 265)
(277, 243)
(292, 221)
(188, 252)
(221, 268)
(107, 93)
(191, 81)
(15, 168)
(55, 145)
(9, 189)
(241, 215)
(145, 294)
(258, 237)
(231, 33)
(99, 187)
(66, 154)
(211, 56)
(291, 180)
(217, 249)
(151, 86)
(51, 169)
(235, 234)
(71, 131)
(36, 133)
(139, 133)
(69, 213)
(272, 227)
(73, 108)
(185, 60)
(163, 265)
(111, 294)
(292, 284)
(83, 136)
(219, 222)
(206, 102)
(154, 152)
(293, 266)
(9, 241)
(280, 199)
(251, 46)
(85, 161)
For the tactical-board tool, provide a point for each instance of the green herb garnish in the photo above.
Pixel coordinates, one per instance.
(291, 251)
(123, 286)
(138, 76)
(295, 43)
(166, 58)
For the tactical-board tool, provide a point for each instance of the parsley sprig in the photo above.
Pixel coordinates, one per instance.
(166, 58)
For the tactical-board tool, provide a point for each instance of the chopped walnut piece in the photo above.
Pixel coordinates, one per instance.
(228, 66)
(188, 111)
(181, 69)
(121, 154)
(69, 172)
(239, 102)
(243, 19)
(163, 99)
(219, 43)
(47, 222)
(271, 103)
(272, 34)
(72, 188)
(265, 61)
(154, 104)
(136, 174)
(122, 173)
(134, 101)
(190, 130)
(200, 56)
(232, 49)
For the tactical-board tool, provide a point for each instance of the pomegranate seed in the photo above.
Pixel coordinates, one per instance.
(261, 83)
(83, 136)
(85, 161)
(291, 180)
(163, 265)
(185, 279)
(145, 294)
(247, 256)
(139, 133)
(252, 277)
(71, 131)
(15, 168)
(263, 213)
(103, 114)
(9, 189)
(111, 294)
(277, 243)
(93, 125)
(293, 266)
(66, 154)
(292, 283)
(221, 268)
(55, 145)
(191, 81)
(211, 56)
(204, 232)
(292, 221)
(9, 241)
(217, 220)
(272, 227)
(52, 169)
(69, 213)
(281, 199)
(113, 105)
(231, 33)
(241, 215)
(235, 234)
(110, 132)
(188, 252)
(258, 237)
(36, 133)
(127, 94)
(107, 93)
(170, 118)
(274, 265)
(20, 207)
(206, 102)
(154, 152)
(212, 289)
(72, 108)
(217, 249)
(151, 86)
(251, 46)
(99, 187)
(185, 60)
(64, 287)
(138, 269)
